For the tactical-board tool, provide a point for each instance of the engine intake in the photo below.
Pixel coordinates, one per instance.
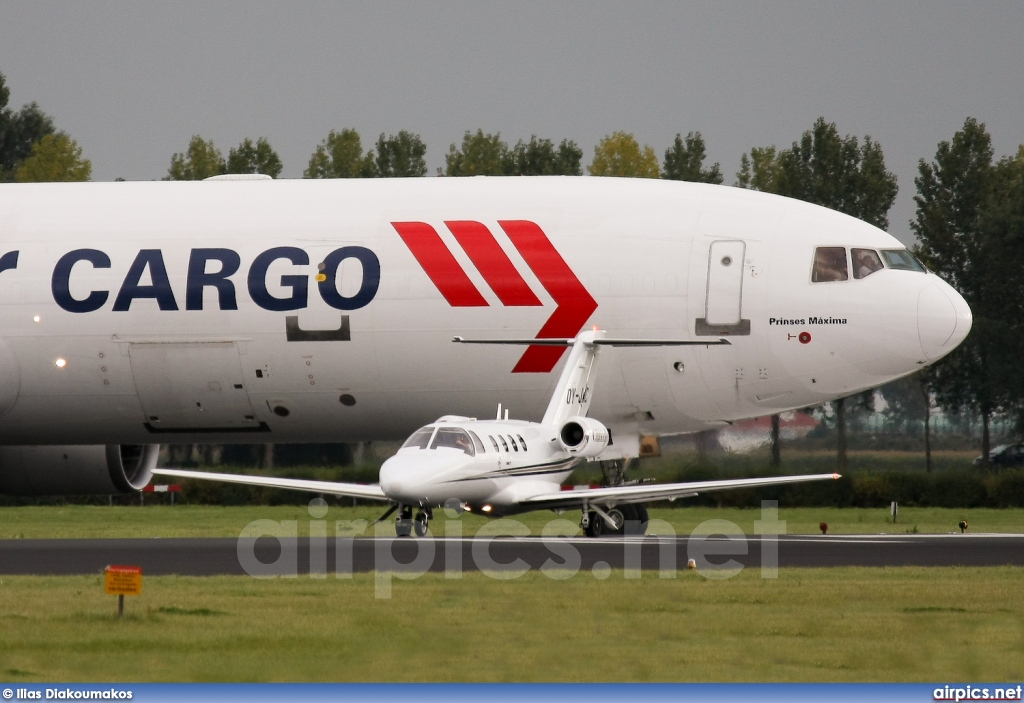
(76, 470)
(583, 437)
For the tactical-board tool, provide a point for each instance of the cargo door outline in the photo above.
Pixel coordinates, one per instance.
(193, 387)
(723, 300)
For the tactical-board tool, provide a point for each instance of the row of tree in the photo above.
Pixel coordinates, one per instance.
(403, 155)
(32, 150)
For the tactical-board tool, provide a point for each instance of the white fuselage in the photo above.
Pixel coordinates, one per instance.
(184, 312)
(517, 460)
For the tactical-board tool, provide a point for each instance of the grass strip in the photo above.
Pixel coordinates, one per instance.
(87, 521)
(846, 624)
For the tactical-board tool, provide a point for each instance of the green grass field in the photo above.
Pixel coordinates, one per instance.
(81, 521)
(801, 459)
(848, 624)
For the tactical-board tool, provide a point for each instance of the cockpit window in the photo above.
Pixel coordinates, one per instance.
(419, 439)
(829, 265)
(902, 260)
(865, 262)
(454, 438)
(477, 443)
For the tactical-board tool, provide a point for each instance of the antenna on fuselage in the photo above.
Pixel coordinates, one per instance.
(498, 416)
(506, 413)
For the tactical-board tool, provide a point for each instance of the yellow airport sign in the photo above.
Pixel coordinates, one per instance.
(123, 580)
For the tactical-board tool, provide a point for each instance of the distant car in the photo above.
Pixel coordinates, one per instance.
(1004, 455)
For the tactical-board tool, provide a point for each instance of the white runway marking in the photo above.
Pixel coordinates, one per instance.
(661, 539)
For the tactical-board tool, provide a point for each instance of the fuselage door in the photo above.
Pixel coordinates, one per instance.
(192, 386)
(723, 309)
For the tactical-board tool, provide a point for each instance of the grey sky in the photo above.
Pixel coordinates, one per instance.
(132, 81)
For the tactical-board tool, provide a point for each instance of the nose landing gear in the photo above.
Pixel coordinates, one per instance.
(406, 526)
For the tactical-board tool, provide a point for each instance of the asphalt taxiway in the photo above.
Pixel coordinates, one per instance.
(269, 557)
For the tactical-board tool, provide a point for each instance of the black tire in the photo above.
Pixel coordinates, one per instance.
(403, 523)
(636, 523)
(420, 525)
(596, 526)
(403, 527)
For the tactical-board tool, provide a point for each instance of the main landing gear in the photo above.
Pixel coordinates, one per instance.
(406, 526)
(625, 519)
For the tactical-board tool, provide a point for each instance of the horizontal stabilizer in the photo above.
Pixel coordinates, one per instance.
(598, 342)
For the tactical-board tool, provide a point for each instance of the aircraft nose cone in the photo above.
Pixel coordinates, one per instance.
(943, 320)
(413, 478)
(395, 480)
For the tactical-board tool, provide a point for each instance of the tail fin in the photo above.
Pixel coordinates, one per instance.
(575, 386)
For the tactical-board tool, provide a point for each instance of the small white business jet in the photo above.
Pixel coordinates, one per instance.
(502, 467)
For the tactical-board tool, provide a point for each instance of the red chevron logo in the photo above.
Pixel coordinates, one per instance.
(574, 303)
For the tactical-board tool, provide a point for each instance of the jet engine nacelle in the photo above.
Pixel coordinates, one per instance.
(76, 470)
(583, 437)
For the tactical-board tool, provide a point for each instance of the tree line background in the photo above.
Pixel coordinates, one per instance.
(969, 225)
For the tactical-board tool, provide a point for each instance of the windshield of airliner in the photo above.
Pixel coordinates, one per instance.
(831, 264)
(901, 259)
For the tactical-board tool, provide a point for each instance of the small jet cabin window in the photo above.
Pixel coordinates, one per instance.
(829, 265)
(493, 442)
(522, 441)
(419, 439)
(503, 443)
(477, 443)
(513, 441)
(453, 438)
(902, 260)
(865, 262)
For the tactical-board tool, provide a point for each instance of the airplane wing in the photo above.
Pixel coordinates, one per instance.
(353, 490)
(646, 492)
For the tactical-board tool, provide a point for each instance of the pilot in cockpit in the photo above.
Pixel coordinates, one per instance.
(829, 264)
(867, 262)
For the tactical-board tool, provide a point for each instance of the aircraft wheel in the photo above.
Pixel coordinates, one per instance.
(636, 519)
(619, 516)
(420, 526)
(403, 528)
(595, 525)
(403, 523)
(643, 517)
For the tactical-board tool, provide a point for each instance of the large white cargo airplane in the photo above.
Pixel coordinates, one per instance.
(448, 463)
(307, 311)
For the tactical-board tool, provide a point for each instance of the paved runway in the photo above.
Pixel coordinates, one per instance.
(269, 556)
